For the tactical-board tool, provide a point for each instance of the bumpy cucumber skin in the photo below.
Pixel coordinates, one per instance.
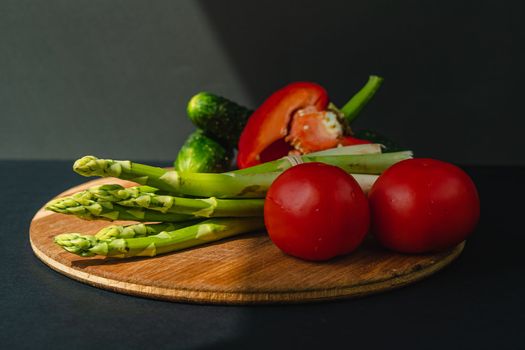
(218, 117)
(201, 154)
(372, 136)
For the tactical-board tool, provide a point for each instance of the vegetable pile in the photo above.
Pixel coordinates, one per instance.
(296, 119)
(303, 174)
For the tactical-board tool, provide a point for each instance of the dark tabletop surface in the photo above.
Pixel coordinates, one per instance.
(476, 301)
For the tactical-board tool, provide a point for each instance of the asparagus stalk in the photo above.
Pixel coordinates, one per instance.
(146, 197)
(365, 181)
(224, 185)
(367, 148)
(140, 230)
(163, 242)
(247, 183)
(80, 244)
(84, 207)
(122, 169)
(352, 163)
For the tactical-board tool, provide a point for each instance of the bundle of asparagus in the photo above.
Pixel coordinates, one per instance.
(182, 220)
(182, 209)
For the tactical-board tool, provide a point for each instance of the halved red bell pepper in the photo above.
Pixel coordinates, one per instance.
(269, 123)
(296, 119)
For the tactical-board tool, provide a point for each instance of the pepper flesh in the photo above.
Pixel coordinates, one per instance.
(269, 123)
(313, 131)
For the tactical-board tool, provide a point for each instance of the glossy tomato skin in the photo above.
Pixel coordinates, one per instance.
(423, 205)
(316, 211)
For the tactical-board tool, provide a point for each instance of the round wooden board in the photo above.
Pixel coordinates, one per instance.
(246, 269)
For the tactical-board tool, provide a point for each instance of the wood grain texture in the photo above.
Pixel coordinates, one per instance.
(246, 269)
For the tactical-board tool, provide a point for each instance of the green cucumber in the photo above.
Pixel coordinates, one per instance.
(374, 137)
(201, 154)
(218, 117)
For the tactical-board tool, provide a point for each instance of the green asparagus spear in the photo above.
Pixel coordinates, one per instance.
(79, 244)
(194, 184)
(241, 184)
(353, 164)
(373, 136)
(213, 185)
(366, 148)
(163, 242)
(85, 207)
(140, 230)
(75, 243)
(146, 197)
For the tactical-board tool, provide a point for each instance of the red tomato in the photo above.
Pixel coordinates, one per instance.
(423, 205)
(316, 211)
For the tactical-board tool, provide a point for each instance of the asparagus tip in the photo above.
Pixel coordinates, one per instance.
(93, 166)
(76, 243)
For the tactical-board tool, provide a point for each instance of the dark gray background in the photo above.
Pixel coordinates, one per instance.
(112, 78)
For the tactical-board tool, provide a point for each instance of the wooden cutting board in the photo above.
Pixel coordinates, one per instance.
(246, 269)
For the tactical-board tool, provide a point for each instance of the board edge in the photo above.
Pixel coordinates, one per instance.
(244, 298)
